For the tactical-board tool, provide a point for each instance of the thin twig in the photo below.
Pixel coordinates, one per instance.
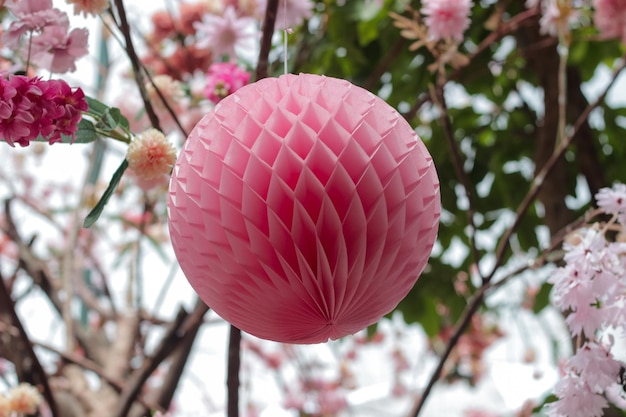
(134, 60)
(85, 363)
(183, 325)
(540, 177)
(458, 163)
(504, 29)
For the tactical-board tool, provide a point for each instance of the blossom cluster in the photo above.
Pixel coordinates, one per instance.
(223, 79)
(49, 44)
(557, 17)
(32, 108)
(23, 399)
(591, 288)
(446, 19)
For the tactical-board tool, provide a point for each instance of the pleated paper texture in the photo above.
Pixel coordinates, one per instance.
(303, 208)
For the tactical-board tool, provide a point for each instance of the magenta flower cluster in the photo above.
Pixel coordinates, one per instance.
(31, 108)
(223, 79)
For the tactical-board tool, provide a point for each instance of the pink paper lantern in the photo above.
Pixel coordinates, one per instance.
(303, 208)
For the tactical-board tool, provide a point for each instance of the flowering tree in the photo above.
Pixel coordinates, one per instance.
(515, 101)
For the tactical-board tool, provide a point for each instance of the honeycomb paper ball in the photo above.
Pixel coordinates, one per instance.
(303, 208)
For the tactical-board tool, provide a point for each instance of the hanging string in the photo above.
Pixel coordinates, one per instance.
(286, 32)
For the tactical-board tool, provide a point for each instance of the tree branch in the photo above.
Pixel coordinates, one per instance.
(27, 353)
(266, 40)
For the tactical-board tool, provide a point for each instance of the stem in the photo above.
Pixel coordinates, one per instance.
(460, 328)
(563, 51)
(234, 363)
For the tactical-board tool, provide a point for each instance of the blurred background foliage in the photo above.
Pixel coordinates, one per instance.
(503, 108)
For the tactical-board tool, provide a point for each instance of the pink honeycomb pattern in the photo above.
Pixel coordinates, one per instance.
(303, 208)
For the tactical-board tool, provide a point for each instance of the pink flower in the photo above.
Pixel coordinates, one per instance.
(297, 12)
(558, 16)
(595, 363)
(612, 200)
(223, 79)
(576, 399)
(33, 21)
(57, 50)
(32, 107)
(51, 46)
(610, 18)
(446, 19)
(224, 33)
(150, 155)
(25, 7)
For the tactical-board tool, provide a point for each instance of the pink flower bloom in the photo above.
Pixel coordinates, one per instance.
(576, 399)
(297, 12)
(446, 19)
(26, 7)
(34, 21)
(557, 16)
(223, 79)
(57, 50)
(222, 34)
(596, 365)
(610, 18)
(150, 155)
(612, 200)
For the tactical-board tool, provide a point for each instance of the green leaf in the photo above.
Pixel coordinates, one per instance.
(542, 299)
(96, 107)
(86, 132)
(111, 119)
(95, 213)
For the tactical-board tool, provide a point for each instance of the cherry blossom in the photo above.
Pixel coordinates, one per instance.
(223, 34)
(558, 16)
(51, 44)
(610, 18)
(446, 19)
(576, 399)
(57, 50)
(612, 200)
(291, 14)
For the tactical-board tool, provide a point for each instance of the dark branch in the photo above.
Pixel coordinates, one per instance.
(266, 40)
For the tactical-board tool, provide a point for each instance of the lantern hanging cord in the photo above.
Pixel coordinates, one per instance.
(286, 32)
